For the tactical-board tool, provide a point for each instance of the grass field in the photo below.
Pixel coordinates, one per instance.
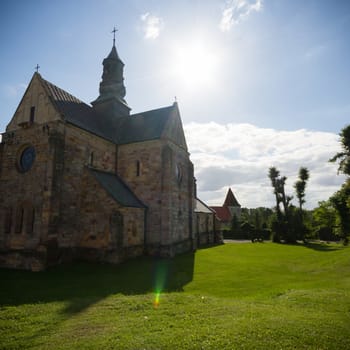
(234, 296)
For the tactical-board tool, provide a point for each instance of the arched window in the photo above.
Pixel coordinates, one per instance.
(178, 173)
(19, 220)
(32, 114)
(8, 220)
(30, 221)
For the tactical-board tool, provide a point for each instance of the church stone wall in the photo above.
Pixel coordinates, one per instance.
(139, 165)
(205, 228)
(107, 232)
(177, 206)
(161, 175)
(26, 199)
(81, 149)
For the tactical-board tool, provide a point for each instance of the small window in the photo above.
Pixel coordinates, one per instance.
(19, 220)
(32, 114)
(178, 173)
(30, 221)
(91, 159)
(8, 220)
(138, 168)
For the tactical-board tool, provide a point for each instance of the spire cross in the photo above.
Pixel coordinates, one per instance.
(37, 68)
(114, 31)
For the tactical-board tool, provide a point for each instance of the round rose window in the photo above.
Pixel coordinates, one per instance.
(26, 159)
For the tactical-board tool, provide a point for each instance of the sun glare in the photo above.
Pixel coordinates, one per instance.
(195, 66)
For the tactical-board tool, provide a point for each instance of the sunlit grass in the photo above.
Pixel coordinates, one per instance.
(238, 296)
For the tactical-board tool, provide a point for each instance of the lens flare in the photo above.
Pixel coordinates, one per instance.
(156, 299)
(160, 276)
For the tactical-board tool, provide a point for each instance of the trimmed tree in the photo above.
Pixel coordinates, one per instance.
(300, 187)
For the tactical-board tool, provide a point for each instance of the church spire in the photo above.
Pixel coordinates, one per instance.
(230, 200)
(112, 90)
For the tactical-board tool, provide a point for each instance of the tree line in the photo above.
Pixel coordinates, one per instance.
(288, 223)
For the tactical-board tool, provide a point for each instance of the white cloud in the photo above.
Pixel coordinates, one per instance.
(236, 11)
(152, 25)
(239, 156)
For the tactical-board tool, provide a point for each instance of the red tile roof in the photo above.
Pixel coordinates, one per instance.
(223, 213)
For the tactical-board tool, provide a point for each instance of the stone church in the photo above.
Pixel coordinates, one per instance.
(94, 182)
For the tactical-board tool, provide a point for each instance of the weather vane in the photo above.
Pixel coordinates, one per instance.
(37, 68)
(114, 31)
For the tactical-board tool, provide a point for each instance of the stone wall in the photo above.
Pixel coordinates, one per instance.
(37, 98)
(205, 228)
(139, 165)
(177, 182)
(46, 214)
(106, 229)
(81, 149)
(26, 201)
(161, 175)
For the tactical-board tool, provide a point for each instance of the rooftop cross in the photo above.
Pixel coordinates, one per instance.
(37, 68)
(114, 31)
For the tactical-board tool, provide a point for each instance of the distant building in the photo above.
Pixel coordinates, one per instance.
(207, 226)
(94, 182)
(230, 208)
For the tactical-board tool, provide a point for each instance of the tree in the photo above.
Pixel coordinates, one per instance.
(324, 217)
(344, 156)
(282, 225)
(260, 218)
(341, 203)
(278, 182)
(236, 231)
(284, 198)
(274, 176)
(247, 230)
(341, 199)
(300, 186)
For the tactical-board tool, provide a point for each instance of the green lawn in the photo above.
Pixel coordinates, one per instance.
(235, 296)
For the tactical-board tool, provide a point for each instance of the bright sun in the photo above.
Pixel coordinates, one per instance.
(195, 66)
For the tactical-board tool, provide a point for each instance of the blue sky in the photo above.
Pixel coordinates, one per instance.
(259, 71)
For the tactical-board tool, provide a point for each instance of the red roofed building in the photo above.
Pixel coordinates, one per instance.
(230, 208)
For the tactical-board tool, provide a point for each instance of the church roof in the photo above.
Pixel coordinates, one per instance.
(119, 191)
(149, 125)
(58, 94)
(231, 200)
(223, 213)
(201, 207)
(144, 126)
(72, 109)
(114, 54)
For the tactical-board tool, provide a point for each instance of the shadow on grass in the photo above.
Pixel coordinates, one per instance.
(83, 284)
(323, 247)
